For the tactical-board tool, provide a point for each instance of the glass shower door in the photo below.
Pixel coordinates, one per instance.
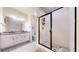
(45, 30)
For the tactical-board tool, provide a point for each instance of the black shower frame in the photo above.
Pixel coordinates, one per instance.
(75, 29)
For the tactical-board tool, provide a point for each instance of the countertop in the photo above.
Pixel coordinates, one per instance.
(15, 32)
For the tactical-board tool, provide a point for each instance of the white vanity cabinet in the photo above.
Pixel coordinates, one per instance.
(25, 37)
(16, 38)
(8, 40)
(19, 38)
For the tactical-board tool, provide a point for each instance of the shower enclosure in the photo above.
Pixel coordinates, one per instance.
(45, 31)
(57, 30)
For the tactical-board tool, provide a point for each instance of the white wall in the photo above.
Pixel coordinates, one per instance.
(8, 11)
(77, 29)
(1, 14)
(63, 28)
(1, 19)
(72, 28)
(34, 24)
(2, 25)
(40, 12)
(27, 10)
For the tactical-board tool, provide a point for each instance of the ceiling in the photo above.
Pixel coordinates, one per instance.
(33, 10)
(48, 9)
(27, 10)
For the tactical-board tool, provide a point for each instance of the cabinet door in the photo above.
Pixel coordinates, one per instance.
(6, 41)
(17, 38)
(24, 37)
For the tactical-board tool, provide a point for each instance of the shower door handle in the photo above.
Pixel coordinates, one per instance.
(50, 30)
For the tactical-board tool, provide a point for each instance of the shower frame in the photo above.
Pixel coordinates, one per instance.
(75, 29)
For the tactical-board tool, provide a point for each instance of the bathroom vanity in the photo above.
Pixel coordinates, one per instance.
(8, 39)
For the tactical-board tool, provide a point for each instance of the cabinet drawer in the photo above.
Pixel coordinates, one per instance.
(25, 37)
(19, 38)
(16, 39)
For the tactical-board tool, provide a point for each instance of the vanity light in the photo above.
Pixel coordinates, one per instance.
(17, 18)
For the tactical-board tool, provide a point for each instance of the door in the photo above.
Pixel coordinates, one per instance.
(63, 28)
(45, 31)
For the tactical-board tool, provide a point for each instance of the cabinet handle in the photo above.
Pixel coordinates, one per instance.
(50, 31)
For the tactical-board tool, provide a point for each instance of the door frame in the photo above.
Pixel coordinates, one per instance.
(75, 34)
(49, 30)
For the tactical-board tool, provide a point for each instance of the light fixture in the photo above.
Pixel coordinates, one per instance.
(17, 18)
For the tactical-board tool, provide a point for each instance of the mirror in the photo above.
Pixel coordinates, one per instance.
(13, 25)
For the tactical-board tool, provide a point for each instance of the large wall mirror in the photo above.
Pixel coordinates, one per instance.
(12, 25)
